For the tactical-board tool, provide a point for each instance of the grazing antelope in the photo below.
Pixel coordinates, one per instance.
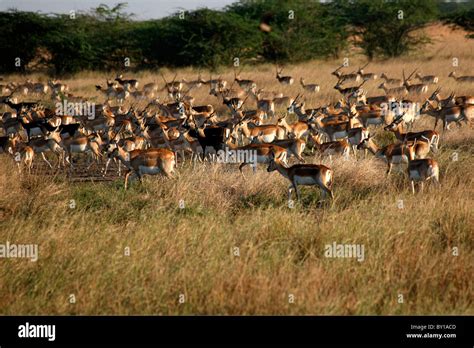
(284, 80)
(421, 170)
(338, 147)
(392, 154)
(303, 174)
(461, 78)
(449, 114)
(310, 87)
(391, 81)
(427, 79)
(432, 137)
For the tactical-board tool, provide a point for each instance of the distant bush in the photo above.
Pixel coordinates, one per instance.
(106, 38)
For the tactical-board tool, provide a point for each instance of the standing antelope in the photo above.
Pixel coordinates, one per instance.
(245, 84)
(297, 130)
(366, 76)
(284, 80)
(461, 78)
(310, 87)
(352, 77)
(422, 170)
(432, 137)
(127, 84)
(402, 90)
(417, 88)
(391, 81)
(449, 114)
(427, 79)
(303, 174)
(338, 147)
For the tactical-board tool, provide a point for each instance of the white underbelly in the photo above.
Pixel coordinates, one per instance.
(268, 138)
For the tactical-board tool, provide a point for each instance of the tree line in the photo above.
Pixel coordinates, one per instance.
(254, 31)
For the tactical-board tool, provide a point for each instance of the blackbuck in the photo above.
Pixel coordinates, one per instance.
(57, 87)
(310, 87)
(150, 88)
(303, 174)
(393, 90)
(449, 114)
(331, 148)
(51, 143)
(350, 92)
(245, 84)
(173, 88)
(127, 84)
(266, 133)
(284, 80)
(392, 81)
(421, 170)
(264, 103)
(263, 153)
(427, 79)
(461, 78)
(83, 144)
(146, 162)
(396, 153)
(443, 102)
(296, 130)
(366, 76)
(432, 137)
(193, 84)
(342, 78)
(293, 147)
(417, 88)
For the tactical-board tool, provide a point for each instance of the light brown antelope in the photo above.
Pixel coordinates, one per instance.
(57, 87)
(83, 144)
(310, 87)
(461, 78)
(245, 84)
(284, 80)
(263, 133)
(417, 88)
(338, 147)
(303, 174)
(263, 153)
(294, 147)
(391, 81)
(427, 79)
(296, 130)
(147, 162)
(393, 90)
(366, 76)
(342, 78)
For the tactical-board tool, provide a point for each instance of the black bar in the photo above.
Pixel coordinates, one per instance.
(195, 330)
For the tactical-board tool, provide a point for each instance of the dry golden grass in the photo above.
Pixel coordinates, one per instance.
(189, 251)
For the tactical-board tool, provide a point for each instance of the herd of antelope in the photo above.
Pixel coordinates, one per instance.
(158, 136)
